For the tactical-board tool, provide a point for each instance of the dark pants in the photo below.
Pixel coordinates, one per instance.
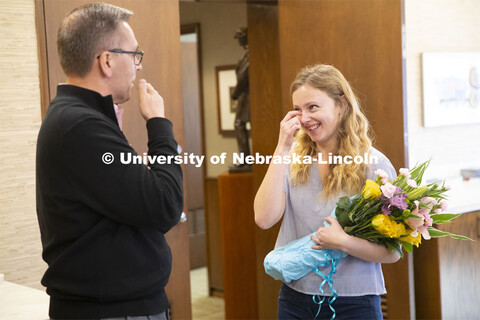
(161, 316)
(295, 305)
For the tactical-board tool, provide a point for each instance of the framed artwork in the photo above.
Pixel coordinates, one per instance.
(226, 79)
(451, 88)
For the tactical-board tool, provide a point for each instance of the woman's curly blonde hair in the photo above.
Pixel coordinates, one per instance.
(353, 133)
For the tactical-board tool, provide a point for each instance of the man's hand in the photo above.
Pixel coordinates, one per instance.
(151, 103)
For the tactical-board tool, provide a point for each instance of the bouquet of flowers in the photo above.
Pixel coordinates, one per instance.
(394, 213)
(397, 213)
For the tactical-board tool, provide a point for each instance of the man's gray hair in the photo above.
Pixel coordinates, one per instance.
(84, 32)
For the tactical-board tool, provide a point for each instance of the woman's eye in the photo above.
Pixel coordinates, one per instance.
(313, 106)
(296, 109)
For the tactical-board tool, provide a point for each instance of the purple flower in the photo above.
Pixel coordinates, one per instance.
(386, 208)
(399, 201)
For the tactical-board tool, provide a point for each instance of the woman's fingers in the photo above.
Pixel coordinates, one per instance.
(291, 114)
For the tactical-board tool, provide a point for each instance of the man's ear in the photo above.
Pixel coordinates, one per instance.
(105, 64)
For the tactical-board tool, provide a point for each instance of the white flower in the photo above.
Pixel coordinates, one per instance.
(405, 172)
(412, 183)
(381, 173)
(388, 190)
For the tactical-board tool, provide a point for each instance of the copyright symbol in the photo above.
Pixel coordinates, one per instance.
(107, 158)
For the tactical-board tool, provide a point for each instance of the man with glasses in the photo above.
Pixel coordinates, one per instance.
(103, 222)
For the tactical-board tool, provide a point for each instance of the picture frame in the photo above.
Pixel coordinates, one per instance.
(451, 88)
(226, 80)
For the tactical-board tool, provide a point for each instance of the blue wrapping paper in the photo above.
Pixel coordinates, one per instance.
(297, 258)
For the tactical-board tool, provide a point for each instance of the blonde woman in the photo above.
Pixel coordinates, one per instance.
(327, 122)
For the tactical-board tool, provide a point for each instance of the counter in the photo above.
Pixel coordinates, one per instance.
(19, 302)
(463, 196)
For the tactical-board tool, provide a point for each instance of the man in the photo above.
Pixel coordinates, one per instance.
(103, 222)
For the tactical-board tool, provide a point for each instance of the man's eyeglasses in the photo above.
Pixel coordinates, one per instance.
(138, 55)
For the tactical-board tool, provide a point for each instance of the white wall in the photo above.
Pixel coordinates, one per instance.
(440, 26)
(20, 247)
(218, 22)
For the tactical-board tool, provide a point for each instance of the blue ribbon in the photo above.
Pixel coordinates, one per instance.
(327, 279)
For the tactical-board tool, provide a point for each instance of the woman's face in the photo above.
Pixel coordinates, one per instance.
(320, 115)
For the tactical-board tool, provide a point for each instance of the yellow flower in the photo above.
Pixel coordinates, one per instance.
(417, 239)
(384, 225)
(401, 230)
(371, 190)
(414, 240)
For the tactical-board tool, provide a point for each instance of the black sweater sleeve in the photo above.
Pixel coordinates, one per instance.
(132, 194)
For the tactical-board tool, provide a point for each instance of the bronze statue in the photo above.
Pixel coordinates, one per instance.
(242, 95)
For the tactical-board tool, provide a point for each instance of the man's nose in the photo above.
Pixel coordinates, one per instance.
(139, 67)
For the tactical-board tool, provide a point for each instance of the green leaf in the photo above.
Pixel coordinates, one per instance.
(408, 246)
(413, 216)
(394, 246)
(442, 221)
(418, 171)
(435, 233)
(344, 203)
(446, 217)
(342, 210)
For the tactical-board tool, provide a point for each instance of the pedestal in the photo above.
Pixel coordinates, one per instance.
(235, 194)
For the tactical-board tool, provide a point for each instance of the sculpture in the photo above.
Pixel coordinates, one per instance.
(242, 95)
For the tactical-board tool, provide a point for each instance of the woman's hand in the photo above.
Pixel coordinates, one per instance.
(331, 237)
(288, 126)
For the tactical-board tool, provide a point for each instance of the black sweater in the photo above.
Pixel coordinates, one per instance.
(102, 225)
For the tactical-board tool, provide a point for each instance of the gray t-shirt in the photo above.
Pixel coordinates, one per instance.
(305, 211)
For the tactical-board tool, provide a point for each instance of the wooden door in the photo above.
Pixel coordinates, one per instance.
(459, 269)
(194, 141)
(157, 28)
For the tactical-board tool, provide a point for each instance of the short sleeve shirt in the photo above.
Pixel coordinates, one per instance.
(305, 211)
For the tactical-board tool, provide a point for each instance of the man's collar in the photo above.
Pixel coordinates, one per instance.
(102, 104)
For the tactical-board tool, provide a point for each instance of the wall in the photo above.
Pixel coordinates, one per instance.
(218, 23)
(441, 26)
(20, 247)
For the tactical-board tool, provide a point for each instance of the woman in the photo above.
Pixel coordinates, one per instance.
(326, 119)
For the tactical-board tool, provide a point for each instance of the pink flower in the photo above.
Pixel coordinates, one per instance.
(412, 183)
(405, 172)
(384, 180)
(429, 201)
(423, 211)
(444, 204)
(381, 173)
(421, 223)
(424, 231)
(428, 221)
(388, 190)
(414, 223)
